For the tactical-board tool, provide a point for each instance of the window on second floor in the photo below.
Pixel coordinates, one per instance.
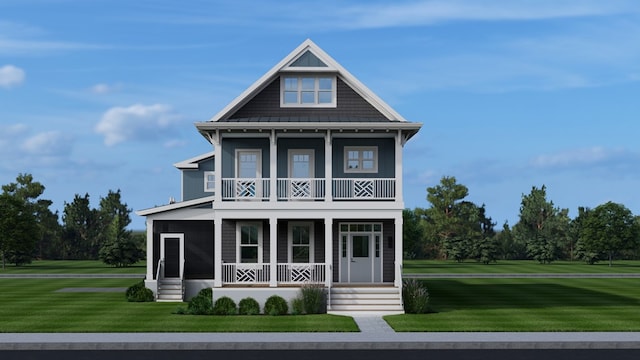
(308, 91)
(361, 159)
(209, 181)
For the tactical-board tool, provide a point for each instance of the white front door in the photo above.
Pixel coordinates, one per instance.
(361, 262)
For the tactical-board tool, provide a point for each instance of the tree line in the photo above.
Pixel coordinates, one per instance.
(30, 230)
(456, 229)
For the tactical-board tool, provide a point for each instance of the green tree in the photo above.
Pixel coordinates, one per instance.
(18, 230)
(81, 229)
(608, 229)
(118, 247)
(541, 226)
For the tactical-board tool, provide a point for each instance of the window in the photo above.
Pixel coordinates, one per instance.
(301, 242)
(308, 91)
(209, 181)
(361, 159)
(249, 240)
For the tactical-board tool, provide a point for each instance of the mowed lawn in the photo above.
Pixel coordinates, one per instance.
(527, 305)
(35, 305)
(518, 267)
(72, 267)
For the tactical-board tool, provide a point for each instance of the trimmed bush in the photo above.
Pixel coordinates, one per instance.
(314, 299)
(139, 293)
(276, 305)
(249, 306)
(297, 306)
(225, 306)
(201, 304)
(415, 297)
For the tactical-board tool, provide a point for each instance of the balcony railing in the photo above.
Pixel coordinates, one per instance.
(288, 273)
(288, 189)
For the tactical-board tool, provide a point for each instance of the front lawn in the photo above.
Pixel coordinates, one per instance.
(517, 267)
(72, 267)
(527, 305)
(35, 305)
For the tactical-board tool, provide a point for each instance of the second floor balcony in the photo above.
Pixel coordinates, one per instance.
(291, 189)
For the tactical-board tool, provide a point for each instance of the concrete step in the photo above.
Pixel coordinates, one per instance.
(365, 299)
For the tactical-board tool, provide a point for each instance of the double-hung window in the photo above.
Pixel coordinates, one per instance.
(249, 240)
(301, 242)
(209, 181)
(308, 91)
(361, 159)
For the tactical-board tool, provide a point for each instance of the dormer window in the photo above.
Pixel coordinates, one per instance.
(308, 91)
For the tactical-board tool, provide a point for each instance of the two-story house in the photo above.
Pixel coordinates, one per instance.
(304, 185)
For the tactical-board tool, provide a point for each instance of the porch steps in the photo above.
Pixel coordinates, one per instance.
(365, 300)
(170, 290)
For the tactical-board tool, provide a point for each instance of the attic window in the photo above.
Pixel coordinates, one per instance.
(308, 91)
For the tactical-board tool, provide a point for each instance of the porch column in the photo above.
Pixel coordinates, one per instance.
(328, 170)
(273, 252)
(217, 249)
(273, 167)
(217, 166)
(398, 250)
(398, 160)
(150, 259)
(328, 251)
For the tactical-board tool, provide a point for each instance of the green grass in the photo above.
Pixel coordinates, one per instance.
(517, 267)
(527, 305)
(33, 305)
(72, 267)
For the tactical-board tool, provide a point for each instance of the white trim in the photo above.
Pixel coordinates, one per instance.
(349, 234)
(175, 206)
(207, 181)
(258, 152)
(360, 150)
(239, 226)
(193, 162)
(180, 237)
(316, 91)
(290, 240)
(312, 161)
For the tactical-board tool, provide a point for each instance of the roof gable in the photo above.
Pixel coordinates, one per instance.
(308, 57)
(194, 161)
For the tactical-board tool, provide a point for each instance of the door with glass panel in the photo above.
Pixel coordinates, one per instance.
(248, 184)
(301, 174)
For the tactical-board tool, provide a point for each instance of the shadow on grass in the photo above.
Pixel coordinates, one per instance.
(451, 295)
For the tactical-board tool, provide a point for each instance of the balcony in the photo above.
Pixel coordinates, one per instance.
(292, 189)
(287, 273)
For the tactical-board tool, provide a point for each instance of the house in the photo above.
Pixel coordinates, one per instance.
(304, 185)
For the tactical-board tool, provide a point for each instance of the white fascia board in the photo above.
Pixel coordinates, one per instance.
(174, 206)
(332, 66)
(193, 162)
(383, 125)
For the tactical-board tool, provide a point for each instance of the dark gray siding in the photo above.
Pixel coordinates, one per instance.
(386, 157)
(267, 103)
(229, 147)
(283, 241)
(229, 240)
(193, 181)
(198, 245)
(316, 144)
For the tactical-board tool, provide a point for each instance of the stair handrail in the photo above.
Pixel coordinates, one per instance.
(184, 261)
(329, 288)
(158, 273)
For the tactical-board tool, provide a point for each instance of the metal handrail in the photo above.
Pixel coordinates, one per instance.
(158, 272)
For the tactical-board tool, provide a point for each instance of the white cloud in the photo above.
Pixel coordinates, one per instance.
(52, 143)
(11, 76)
(101, 89)
(136, 122)
(607, 161)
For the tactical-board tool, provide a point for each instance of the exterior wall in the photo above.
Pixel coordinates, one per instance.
(229, 147)
(267, 103)
(386, 157)
(198, 245)
(193, 181)
(283, 241)
(317, 144)
(229, 246)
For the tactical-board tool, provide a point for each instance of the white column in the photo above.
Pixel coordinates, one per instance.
(398, 151)
(217, 165)
(328, 251)
(273, 251)
(150, 259)
(273, 167)
(217, 249)
(398, 249)
(328, 170)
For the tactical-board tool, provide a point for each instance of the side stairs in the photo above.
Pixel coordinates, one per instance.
(170, 290)
(362, 300)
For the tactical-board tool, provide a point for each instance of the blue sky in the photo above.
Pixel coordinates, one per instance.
(103, 94)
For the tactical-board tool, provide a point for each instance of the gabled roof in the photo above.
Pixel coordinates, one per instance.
(193, 162)
(309, 57)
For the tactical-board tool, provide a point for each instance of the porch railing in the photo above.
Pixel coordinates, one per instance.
(364, 189)
(245, 189)
(301, 189)
(294, 273)
(235, 273)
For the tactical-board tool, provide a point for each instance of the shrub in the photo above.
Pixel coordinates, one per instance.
(314, 299)
(276, 305)
(201, 304)
(139, 293)
(415, 297)
(225, 306)
(297, 306)
(248, 306)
